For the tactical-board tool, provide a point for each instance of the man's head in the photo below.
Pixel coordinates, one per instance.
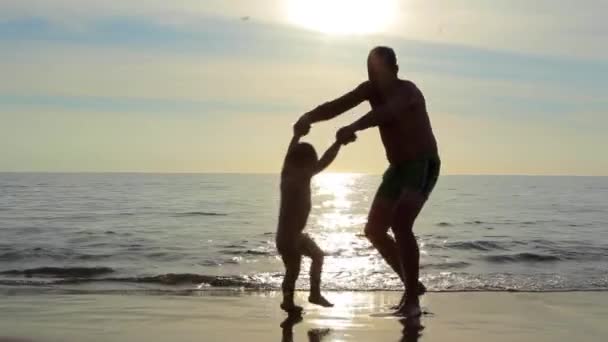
(382, 66)
(303, 155)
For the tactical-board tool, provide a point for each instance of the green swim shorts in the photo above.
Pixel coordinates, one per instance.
(420, 176)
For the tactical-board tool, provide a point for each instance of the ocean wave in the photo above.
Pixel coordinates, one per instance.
(61, 272)
(163, 256)
(246, 252)
(444, 281)
(173, 279)
(474, 222)
(187, 284)
(24, 282)
(63, 217)
(231, 246)
(11, 254)
(81, 275)
(521, 257)
(509, 222)
(199, 213)
(479, 245)
(445, 265)
(585, 254)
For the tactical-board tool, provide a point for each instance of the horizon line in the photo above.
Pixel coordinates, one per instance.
(277, 173)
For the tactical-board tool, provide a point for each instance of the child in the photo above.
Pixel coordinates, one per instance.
(299, 167)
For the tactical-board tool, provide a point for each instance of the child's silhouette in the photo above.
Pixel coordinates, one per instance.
(300, 165)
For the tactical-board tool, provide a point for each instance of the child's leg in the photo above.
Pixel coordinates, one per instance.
(311, 249)
(292, 261)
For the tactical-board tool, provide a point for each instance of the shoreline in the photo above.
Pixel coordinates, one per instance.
(232, 291)
(255, 316)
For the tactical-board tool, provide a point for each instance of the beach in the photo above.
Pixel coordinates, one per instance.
(255, 316)
(133, 257)
(179, 171)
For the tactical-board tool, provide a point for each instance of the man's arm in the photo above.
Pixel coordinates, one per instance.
(331, 109)
(373, 118)
(396, 105)
(328, 157)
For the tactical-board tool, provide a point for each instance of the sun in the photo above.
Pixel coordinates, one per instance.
(342, 16)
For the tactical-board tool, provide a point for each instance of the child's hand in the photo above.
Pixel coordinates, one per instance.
(346, 135)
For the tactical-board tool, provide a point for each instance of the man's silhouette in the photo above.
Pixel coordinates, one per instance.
(399, 111)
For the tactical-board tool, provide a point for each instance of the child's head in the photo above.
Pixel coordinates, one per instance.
(303, 155)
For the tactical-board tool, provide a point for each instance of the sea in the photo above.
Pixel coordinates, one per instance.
(134, 233)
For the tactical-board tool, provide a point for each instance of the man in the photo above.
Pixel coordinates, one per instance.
(399, 112)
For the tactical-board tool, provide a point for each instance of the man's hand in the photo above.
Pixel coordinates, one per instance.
(302, 126)
(346, 135)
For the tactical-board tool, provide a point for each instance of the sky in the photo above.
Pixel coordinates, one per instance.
(512, 86)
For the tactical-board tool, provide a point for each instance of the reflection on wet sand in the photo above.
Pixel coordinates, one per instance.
(411, 332)
(412, 329)
(353, 311)
(314, 335)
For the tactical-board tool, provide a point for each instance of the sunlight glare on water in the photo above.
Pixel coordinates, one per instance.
(334, 191)
(337, 228)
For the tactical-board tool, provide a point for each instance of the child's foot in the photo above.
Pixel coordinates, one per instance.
(291, 320)
(320, 300)
(291, 308)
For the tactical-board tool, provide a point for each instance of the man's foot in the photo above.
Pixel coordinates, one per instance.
(421, 288)
(421, 291)
(409, 310)
(320, 300)
(291, 308)
(401, 302)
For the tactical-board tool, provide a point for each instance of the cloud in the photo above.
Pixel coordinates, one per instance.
(545, 27)
(117, 86)
(86, 140)
(79, 14)
(142, 60)
(184, 82)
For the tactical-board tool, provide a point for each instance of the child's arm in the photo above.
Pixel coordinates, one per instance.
(295, 140)
(328, 157)
(298, 132)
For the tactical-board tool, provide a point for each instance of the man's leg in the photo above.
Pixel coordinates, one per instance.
(376, 231)
(406, 211)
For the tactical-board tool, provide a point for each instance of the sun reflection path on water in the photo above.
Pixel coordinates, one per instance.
(335, 192)
(337, 222)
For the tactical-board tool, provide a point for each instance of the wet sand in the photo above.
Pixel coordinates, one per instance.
(254, 316)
